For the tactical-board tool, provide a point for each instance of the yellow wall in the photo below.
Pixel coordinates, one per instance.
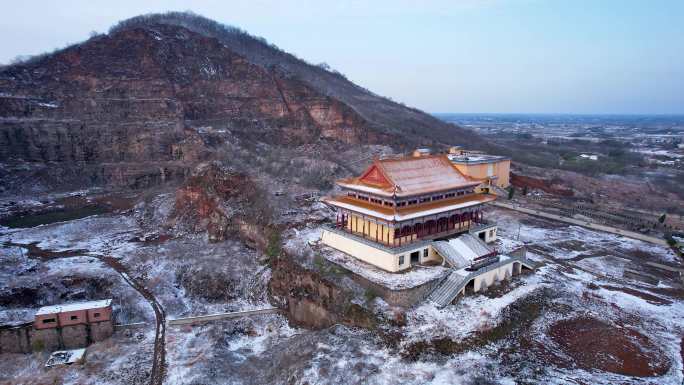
(501, 169)
(375, 256)
(358, 225)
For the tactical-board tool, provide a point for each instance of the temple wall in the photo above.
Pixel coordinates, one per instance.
(360, 225)
(490, 234)
(366, 253)
(504, 173)
(485, 280)
(432, 256)
(501, 169)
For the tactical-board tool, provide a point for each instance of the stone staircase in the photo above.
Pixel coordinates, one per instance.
(448, 289)
(444, 249)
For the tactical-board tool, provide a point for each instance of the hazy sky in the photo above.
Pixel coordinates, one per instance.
(593, 56)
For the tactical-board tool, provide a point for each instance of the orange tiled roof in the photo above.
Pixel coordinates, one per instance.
(409, 176)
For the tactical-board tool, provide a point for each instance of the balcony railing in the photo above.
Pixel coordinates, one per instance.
(403, 241)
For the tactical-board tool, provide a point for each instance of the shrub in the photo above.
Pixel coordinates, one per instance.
(370, 294)
(274, 244)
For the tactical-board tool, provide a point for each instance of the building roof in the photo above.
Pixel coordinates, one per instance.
(408, 176)
(477, 159)
(74, 307)
(397, 214)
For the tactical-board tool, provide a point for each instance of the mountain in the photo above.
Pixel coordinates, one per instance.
(159, 93)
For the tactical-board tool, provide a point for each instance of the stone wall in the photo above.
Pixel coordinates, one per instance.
(404, 298)
(74, 336)
(100, 331)
(15, 339)
(45, 339)
(25, 338)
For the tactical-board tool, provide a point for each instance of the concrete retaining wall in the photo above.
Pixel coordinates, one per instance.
(15, 339)
(100, 331)
(74, 336)
(25, 338)
(404, 298)
(45, 339)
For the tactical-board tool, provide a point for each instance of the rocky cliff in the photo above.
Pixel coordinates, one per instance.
(222, 203)
(143, 105)
(405, 126)
(311, 301)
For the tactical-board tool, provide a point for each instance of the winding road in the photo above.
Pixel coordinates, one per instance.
(159, 355)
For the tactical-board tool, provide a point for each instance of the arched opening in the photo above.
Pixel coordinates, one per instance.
(517, 268)
(470, 287)
(418, 229)
(483, 285)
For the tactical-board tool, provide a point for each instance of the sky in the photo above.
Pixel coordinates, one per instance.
(508, 56)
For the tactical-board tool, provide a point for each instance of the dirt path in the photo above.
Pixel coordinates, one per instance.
(159, 355)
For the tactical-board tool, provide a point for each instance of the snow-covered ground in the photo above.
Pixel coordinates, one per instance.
(567, 242)
(582, 276)
(469, 314)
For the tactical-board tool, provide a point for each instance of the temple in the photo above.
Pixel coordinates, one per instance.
(391, 214)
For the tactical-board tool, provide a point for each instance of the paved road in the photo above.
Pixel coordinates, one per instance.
(591, 225)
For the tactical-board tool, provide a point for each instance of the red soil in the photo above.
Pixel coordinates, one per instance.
(595, 344)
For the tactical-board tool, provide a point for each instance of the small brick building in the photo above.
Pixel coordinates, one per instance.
(69, 326)
(82, 313)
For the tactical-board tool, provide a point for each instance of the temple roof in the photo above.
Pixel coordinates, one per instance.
(409, 176)
(398, 214)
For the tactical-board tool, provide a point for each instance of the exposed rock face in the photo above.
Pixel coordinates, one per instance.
(522, 181)
(221, 202)
(311, 301)
(133, 108)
